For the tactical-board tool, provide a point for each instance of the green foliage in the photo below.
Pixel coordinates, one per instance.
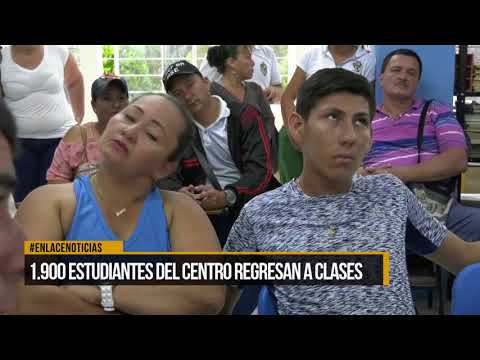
(137, 66)
(108, 64)
(283, 68)
(281, 51)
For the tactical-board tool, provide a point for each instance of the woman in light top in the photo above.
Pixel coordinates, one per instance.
(36, 80)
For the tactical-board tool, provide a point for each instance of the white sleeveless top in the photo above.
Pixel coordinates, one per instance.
(37, 97)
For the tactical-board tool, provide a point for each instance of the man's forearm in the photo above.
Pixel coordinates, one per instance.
(76, 94)
(473, 252)
(277, 93)
(455, 254)
(440, 167)
(169, 299)
(288, 107)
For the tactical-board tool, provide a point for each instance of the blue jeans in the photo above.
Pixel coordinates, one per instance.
(464, 221)
(31, 164)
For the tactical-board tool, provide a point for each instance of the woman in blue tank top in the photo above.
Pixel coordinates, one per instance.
(140, 145)
(91, 220)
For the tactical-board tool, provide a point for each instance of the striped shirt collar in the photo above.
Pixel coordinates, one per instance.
(417, 104)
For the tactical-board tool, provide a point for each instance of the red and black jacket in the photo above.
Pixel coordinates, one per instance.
(250, 149)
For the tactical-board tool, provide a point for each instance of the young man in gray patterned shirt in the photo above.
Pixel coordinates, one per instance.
(327, 209)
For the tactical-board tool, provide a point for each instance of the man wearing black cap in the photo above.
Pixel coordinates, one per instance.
(109, 96)
(73, 157)
(230, 159)
(103, 82)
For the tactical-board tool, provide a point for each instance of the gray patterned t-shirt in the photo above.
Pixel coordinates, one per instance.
(373, 216)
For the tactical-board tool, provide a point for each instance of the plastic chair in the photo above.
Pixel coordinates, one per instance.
(267, 303)
(466, 292)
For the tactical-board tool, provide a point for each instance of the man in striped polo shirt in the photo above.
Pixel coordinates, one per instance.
(395, 127)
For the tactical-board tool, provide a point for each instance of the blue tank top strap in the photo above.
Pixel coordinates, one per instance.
(150, 234)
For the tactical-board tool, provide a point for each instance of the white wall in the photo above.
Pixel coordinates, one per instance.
(91, 67)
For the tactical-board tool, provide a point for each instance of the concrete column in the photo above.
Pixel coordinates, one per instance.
(91, 66)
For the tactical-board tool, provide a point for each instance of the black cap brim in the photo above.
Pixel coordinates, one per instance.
(99, 89)
(168, 82)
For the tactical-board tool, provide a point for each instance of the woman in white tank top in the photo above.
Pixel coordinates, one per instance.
(36, 80)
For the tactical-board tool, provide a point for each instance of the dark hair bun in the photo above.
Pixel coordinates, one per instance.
(216, 56)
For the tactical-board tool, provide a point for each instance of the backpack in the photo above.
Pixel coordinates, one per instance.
(435, 196)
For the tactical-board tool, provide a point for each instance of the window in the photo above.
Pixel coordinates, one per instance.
(281, 51)
(143, 65)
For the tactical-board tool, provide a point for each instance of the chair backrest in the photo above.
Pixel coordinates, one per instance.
(466, 292)
(267, 303)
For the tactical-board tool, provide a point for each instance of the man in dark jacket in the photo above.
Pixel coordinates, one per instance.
(230, 160)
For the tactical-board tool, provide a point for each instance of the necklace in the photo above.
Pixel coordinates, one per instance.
(99, 191)
(331, 229)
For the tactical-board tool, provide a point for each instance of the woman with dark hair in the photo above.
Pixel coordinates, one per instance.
(235, 64)
(78, 153)
(141, 144)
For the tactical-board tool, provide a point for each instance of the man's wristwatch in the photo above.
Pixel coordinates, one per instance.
(106, 293)
(231, 197)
